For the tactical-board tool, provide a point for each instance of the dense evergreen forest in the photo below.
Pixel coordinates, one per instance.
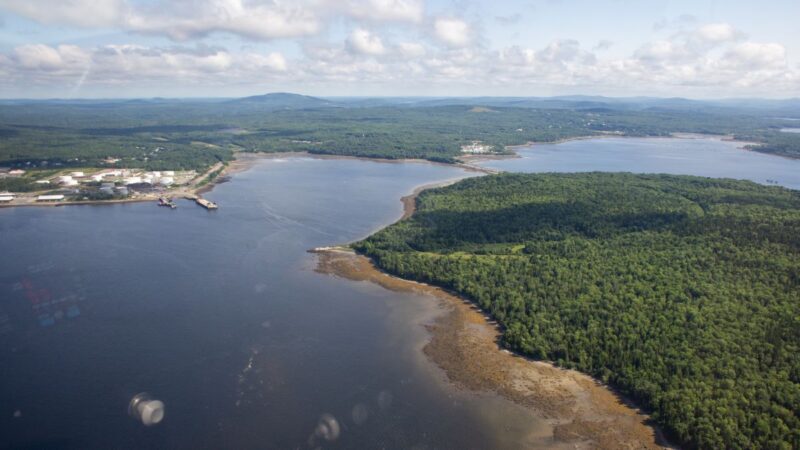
(683, 292)
(194, 134)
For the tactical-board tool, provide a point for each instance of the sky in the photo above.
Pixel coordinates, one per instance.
(231, 48)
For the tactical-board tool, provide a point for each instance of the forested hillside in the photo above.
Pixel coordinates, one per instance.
(194, 134)
(683, 292)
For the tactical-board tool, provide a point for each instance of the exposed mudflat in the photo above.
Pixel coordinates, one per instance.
(581, 412)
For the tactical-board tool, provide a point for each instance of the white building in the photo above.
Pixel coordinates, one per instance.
(6, 198)
(168, 173)
(42, 181)
(476, 147)
(133, 180)
(166, 181)
(64, 178)
(98, 177)
(77, 174)
(49, 198)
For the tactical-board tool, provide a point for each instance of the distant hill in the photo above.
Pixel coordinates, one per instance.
(596, 103)
(285, 100)
(586, 103)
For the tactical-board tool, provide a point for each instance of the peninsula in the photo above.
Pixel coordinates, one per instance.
(679, 291)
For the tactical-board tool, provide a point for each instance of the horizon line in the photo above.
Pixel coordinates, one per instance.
(632, 97)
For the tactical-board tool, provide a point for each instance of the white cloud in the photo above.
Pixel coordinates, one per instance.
(133, 64)
(411, 49)
(718, 32)
(82, 13)
(559, 51)
(273, 61)
(662, 50)
(757, 56)
(40, 57)
(702, 59)
(364, 42)
(182, 20)
(186, 19)
(178, 19)
(517, 56)
(453, 32)
(387, 10)
(712, 56)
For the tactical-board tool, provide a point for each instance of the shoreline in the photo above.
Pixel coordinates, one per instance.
(77, 203)
(242, 162)
(188, 191)
(463, 345)
(410, 201)
(245, 160)
(674, 135)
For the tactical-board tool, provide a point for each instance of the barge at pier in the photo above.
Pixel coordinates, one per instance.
(207, 204)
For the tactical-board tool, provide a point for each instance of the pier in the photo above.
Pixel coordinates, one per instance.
(207, 204)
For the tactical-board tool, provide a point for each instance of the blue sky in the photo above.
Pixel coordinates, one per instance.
(143, 48)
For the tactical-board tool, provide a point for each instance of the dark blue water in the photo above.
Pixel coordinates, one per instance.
(703, 157)
(221, 316)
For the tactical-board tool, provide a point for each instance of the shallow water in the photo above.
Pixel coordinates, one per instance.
(707, 157)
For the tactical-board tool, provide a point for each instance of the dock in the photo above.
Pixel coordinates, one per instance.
(207, 204)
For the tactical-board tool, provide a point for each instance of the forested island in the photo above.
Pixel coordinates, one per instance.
(683, 292)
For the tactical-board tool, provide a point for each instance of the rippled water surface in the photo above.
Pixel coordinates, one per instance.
(221, 316)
